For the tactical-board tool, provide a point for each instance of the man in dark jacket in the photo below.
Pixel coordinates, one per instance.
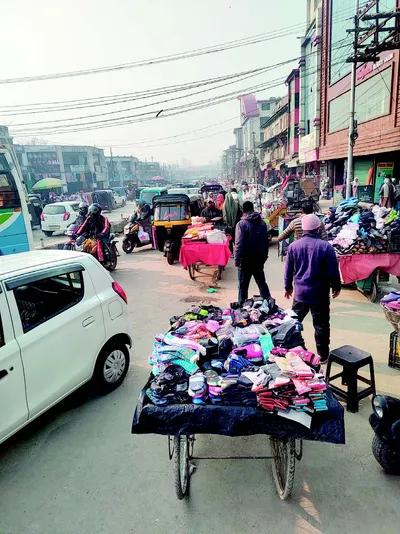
(251, 252)
(312, 264)
(211, 212)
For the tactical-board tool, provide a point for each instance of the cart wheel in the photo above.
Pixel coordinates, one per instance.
(181, 465)
(191, 270)
(283, 465)
(220, 271)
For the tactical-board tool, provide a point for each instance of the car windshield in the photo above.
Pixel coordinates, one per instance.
(53, 209)
(171, 212)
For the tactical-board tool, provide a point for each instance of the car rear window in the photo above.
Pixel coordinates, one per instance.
(52, 209)
(75, 207)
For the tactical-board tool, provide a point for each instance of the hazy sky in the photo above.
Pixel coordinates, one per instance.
(50, 36)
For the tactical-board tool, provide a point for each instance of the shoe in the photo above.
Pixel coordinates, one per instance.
(324, 360)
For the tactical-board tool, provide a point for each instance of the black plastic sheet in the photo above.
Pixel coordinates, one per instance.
(185, 419)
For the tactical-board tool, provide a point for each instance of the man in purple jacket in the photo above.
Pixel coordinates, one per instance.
(312, 264)
(251, 252)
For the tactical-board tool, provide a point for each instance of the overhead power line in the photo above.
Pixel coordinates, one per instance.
(247, 41)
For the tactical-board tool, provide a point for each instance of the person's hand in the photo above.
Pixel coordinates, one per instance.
(335, 294)
(237, 267)
(288, 294)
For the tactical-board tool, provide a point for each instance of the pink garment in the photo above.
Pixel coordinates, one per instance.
(361, 266)
(220, 201)
(209, 254)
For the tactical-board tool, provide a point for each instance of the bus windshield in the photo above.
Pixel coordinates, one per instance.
(15, 221)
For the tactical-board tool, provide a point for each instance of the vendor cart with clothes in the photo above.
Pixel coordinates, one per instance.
(237, 372)
(367, 242)
(204, 245)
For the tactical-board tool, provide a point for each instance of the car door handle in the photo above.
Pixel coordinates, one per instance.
(88, 321)
(3, 373)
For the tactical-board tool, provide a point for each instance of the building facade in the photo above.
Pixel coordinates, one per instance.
(376, 150)
(253, 115)
(122, 170)
(273, 149)
(292, 145)
(80, 168)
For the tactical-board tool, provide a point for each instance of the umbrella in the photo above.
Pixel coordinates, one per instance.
(157, 178)
(48, 183)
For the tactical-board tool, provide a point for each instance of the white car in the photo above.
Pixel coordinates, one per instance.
(58, 216)
(120, 202)
(63, 322)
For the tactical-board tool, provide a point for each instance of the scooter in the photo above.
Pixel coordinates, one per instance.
(385, 422)
(72, 243)
(135, 237)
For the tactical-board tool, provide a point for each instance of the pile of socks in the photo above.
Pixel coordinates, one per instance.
(198, 390)
(169, 387)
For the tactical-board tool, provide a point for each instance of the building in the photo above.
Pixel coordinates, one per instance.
(147, 171)
(310, 92)
(273, 148)
(376, 150)
(229, 163)
(80, 168)
(122, 170)
(292, 145)
(253, 114)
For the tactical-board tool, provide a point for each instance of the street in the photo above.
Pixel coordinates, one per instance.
(58, 238)
(79, 470)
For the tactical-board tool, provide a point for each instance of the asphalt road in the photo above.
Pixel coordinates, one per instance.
(39, 239)
(79, 470)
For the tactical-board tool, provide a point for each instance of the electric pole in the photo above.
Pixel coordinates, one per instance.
(352, 125)
(254, 157)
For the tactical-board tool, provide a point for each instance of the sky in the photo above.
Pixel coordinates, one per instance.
(53, 36)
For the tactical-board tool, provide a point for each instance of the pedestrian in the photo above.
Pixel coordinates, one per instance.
(355, 185)
(312, 265)
(211, 212)
(295, 227)
(220, 201)
(386, 192)
(251, 252)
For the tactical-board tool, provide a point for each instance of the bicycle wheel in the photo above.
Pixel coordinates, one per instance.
(181, 465)
(283, 465)
(191, 270)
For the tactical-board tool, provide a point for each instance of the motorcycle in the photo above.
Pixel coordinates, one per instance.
(135, 237)
(106, 254)
(385, 422)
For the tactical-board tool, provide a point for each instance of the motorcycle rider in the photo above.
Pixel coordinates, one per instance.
(142, 216)
(96, 226)
(83, 213)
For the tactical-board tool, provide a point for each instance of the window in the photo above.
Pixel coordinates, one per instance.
(9, 197)
(171, 212)
(53, 209)
(372, 100)
(262, 137)
(265, 106)
(41, 300)
(75, 207)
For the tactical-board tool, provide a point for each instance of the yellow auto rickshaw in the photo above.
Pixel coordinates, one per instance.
(171, 219)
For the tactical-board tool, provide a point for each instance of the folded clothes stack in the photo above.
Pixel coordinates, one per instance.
(354, 230)
(250, 356)
(391, 301)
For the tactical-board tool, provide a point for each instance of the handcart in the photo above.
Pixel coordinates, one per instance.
(194, 255)
(181, 422)
(365, 270)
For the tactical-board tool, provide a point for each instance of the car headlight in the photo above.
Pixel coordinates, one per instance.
(379, 405)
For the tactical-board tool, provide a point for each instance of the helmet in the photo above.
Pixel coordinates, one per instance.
(83, 209)
(94, 210)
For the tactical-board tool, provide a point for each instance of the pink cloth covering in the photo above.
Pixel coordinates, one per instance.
(361, 266)
(209, 254)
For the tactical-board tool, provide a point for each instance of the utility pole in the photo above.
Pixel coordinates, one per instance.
(254, 157)
(353, 125)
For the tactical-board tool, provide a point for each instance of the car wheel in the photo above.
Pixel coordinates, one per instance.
(47, 233)
(111, 367)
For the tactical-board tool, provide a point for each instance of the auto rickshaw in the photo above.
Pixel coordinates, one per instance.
(105, 198)
(171, 219)
(214, 188)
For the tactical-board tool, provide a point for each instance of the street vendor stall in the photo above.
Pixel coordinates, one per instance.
(204, 245)
(366, 240)
(237, 372)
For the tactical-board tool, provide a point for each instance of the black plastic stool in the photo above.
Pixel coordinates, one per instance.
(351, 359)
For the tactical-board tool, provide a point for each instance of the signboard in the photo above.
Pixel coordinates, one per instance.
(383, 170)
(365, 193)
(77, 168)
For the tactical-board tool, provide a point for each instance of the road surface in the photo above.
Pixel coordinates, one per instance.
(78, 470)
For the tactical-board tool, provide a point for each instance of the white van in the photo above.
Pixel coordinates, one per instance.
(63, 322)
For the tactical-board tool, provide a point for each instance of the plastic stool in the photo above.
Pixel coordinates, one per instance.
(351, 359)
